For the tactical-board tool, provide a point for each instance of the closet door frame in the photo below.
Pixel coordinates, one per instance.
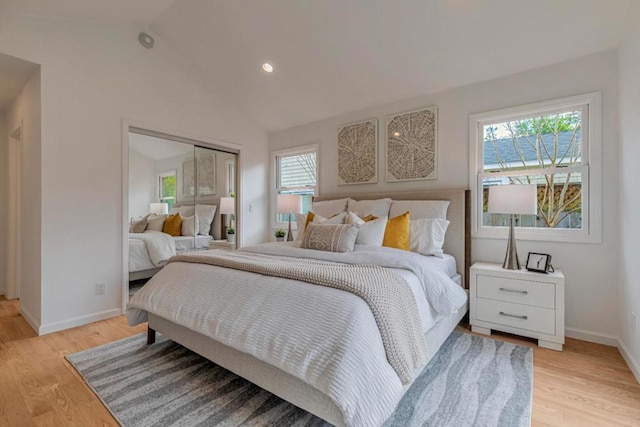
(178, 136)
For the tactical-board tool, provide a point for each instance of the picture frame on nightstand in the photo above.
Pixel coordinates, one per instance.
(540, 263)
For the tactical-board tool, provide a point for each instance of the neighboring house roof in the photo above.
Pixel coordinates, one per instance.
(507, 153)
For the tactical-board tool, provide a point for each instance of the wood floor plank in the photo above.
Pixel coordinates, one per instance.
(585, 385)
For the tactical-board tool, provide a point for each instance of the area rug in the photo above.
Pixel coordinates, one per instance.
(472, 381)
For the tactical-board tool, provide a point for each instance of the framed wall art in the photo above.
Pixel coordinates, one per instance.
(206, 174)
(411, 143)
(188, 177)
(358, 153)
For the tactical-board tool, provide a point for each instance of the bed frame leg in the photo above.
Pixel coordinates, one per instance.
(151, 335)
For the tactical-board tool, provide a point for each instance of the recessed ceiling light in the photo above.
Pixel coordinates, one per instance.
(267, 67)
(396, 134)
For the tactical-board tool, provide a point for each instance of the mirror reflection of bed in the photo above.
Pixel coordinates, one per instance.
(175, 188)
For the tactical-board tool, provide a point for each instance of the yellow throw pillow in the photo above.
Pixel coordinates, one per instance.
(369, 218)
(310, 217)
(173, 225)
(397, 233)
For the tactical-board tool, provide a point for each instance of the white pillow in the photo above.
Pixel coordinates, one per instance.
(155, 222)
(301, 220)
(175, 210)
(205, 213)
(336, 219)
(420, 208)
(377, 208)
(329, 208)
(371, 232)
(190, 225)
(427, 236)
(353, 218)
(186, 211)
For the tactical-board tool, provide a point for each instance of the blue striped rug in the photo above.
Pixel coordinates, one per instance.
(472, 381)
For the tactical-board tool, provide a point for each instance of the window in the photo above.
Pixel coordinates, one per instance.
(167, 187)
(296, 172)
(554, 145)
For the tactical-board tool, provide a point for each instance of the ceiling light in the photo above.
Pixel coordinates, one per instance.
(145, 40)
(267, 67)
(396, 134)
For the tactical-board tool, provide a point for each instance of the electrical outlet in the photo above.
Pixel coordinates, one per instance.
(101, 288)
(633, 321)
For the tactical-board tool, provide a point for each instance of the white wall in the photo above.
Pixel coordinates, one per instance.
(93, 76)
(142, 184)
(629, 190)
(4, 196)
(589, 268)
(26, 111)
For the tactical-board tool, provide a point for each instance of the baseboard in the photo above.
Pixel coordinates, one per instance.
(35, 325)
(79, 321)
(590, 336)
(628, 357)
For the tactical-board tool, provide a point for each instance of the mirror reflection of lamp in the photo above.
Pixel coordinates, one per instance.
(227, 207)
(513, 200)
(159, 208)
(289, 204)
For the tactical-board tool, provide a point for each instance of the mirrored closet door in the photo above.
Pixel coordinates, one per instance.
(181, 199)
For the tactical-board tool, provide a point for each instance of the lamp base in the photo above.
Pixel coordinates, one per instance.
(289, 233)
(511, 261)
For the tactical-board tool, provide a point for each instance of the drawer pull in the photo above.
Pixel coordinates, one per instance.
(502, 313)
(515, 291)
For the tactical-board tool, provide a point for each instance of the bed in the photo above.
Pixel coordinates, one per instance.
(351, 383)
(149, 250)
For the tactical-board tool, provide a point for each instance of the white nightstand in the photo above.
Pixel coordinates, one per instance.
(222, 245)
(518, 302)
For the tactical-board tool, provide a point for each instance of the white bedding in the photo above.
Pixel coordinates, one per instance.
(326, 337)
(186, 243)
(149, 250)
(163, 247)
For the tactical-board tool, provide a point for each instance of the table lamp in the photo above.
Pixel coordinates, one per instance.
(289, 204)
(513, 200)
(227, 207)
(159, 208)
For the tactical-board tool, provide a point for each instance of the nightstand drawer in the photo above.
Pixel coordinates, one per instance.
(539, 294)
(519, 316)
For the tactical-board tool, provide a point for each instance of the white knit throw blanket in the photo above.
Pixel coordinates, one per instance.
(386, 292)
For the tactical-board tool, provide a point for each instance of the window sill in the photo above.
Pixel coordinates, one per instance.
(539, 235)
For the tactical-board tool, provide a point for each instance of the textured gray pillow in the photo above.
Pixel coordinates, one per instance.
(155, 222)
(139, 226)
(330, 238)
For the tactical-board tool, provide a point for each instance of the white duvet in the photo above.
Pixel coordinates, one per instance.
(325, 337)
(159, 248)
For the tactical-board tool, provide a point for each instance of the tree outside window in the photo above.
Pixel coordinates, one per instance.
(555, 145)
(167, 188)
(545, 150)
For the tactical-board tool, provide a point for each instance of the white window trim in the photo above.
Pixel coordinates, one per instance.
(591, 232)
(274, 177)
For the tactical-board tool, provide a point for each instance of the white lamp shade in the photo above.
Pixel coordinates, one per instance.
(159, 208)
(289, 203)
(227, 205)
(513, 199)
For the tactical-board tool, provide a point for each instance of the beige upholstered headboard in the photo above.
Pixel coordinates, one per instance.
(215, 225)
(458, 238)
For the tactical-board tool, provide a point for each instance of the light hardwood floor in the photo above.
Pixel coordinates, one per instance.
(585, 385)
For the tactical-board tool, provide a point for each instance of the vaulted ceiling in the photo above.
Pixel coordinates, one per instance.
(336, 56)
